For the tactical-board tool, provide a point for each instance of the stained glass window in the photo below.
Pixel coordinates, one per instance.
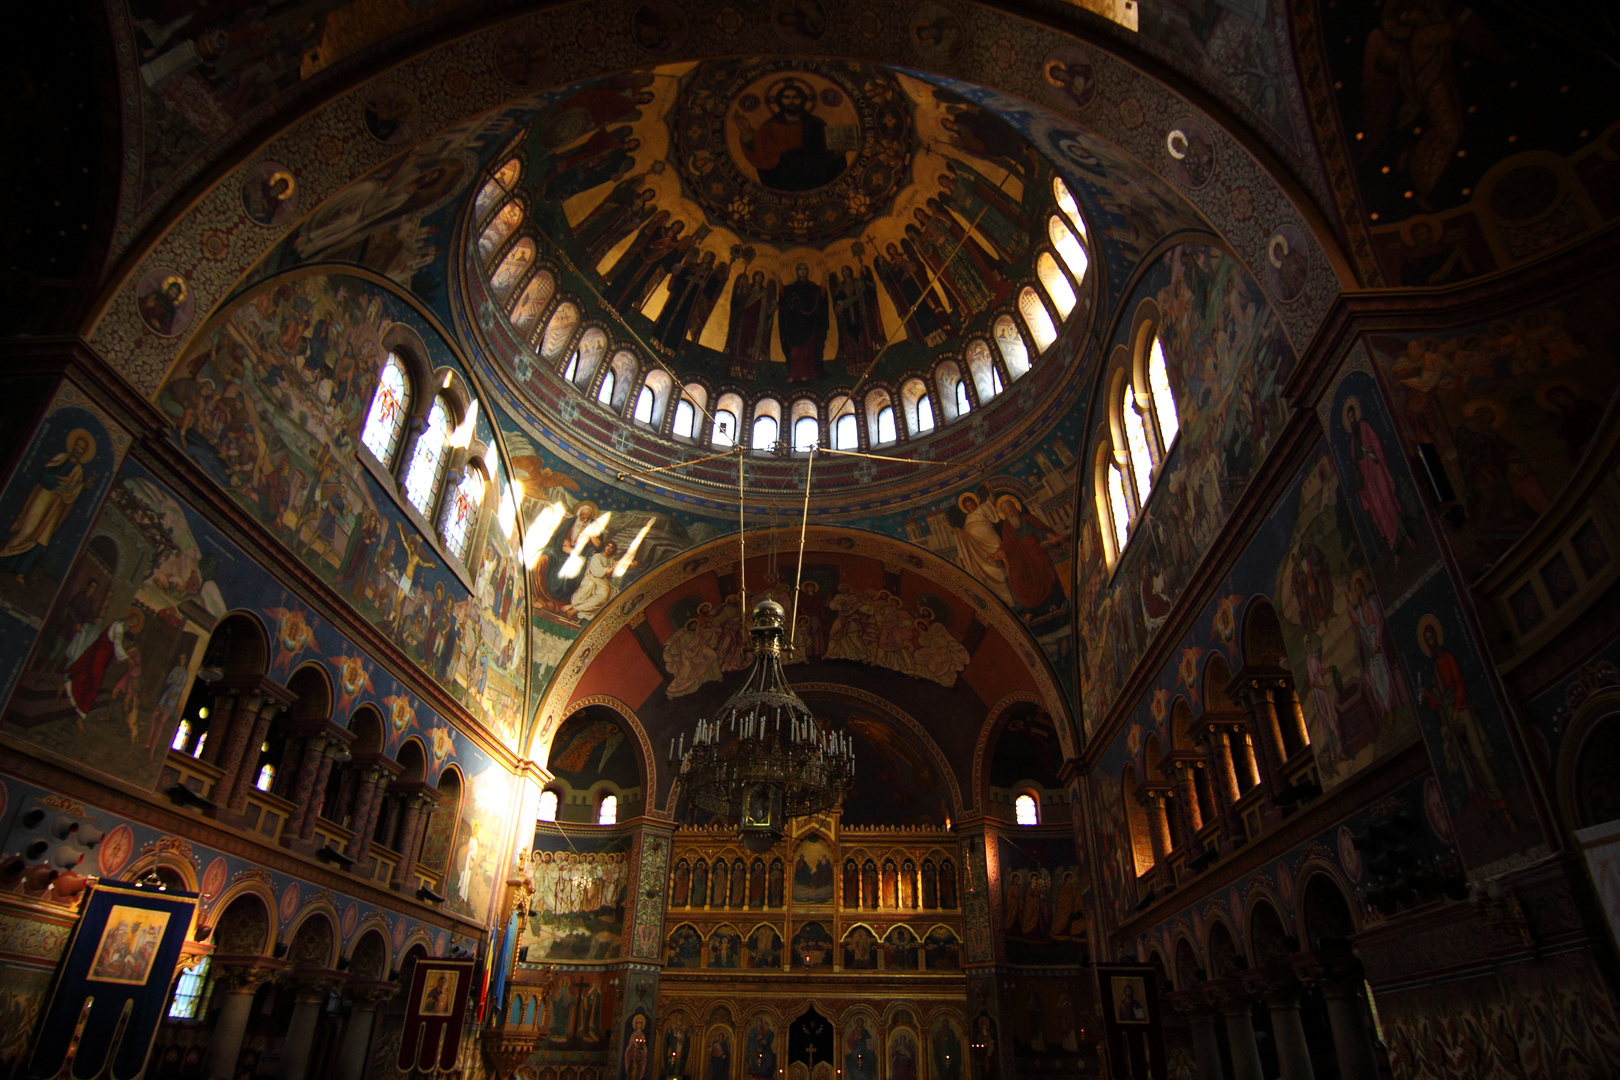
(390, 404)
(1014, 353)
(526, 312)
(499, 229)
(428, 461)
(189, 991)
(461, 511)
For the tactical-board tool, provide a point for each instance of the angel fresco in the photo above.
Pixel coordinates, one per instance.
(860, 323)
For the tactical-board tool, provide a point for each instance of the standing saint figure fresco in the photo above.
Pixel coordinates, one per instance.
(1467, 747)
(1375, 485)
(801, 323)
(56, 490)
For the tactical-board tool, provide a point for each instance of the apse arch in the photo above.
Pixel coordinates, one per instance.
(646, 763)
(995, 720)
(559, 698)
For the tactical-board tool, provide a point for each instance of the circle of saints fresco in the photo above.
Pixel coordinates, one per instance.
(792, 150)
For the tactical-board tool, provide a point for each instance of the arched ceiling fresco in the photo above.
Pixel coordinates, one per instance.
(912, 656)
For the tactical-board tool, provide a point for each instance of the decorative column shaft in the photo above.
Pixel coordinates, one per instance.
(239, 983)
(309, 766)
(1351, 1043)
(396, 806)
(1240, 1037)
(226, 710)
(313, 990)
(244, 774)
(362, 1019)
(231, 749)
(1293, 1052)
(418, 808)
(368, 802)
(1206, 1048)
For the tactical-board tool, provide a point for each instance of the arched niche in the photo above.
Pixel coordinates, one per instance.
(597, 752)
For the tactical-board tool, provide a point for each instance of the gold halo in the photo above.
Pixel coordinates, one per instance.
(173, 279)
(134, 621)
(1358, 576)
(1344, 410)
(595, 510)
(809, 92)
(283, 174)
(77, 434)
(1498, 413)
(1004, 499)
(967, 495)
(1439, 633)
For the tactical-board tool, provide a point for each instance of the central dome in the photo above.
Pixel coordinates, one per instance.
(772, 251)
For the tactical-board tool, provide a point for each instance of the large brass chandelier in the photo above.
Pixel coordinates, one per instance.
(764, 758)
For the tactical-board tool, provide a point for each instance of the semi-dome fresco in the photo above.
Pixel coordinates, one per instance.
(729, 252)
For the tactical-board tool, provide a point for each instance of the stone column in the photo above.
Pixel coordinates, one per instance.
(231, 748)
(1234, 1004)
(316, 750)
(1226, 783)
(418, 808)
(1293, 1052)
(313, 988)
(1201, 1024)
(223, 715)
(395, 806)
(1192, 815)
(238, 981)
(1338, 974)
(1352, 1044)
(343, 811)
(366, 998)
(1257, 695)
(248, 754)
(368, 801)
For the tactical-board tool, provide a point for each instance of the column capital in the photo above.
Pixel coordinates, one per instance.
(314, 984)
(1333, 969)
(245, 974)
(1228, 994)
(1191, 1001)
(369, 993)
(1275, 982)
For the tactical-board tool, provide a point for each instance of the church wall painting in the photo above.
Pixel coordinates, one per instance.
(167, 577)
(1508, 407)
(813, 871)
(1042, 921)
(1473, 148)
(1227, 358)
(270, 403)
(581, 889)
(54, 492)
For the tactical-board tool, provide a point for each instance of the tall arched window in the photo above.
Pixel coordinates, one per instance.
(461, 510)
(925, 414)
(685, 419)
(983, 369)
(1136, 442)
(1068, 248)
(725, 428)
(497, 185)
(764, 435)
(644, 406)
(1010, 343)
(1119, 507)
(607, 810)
(390, 404)
(512, 269)
(886, 432)
(495, 235)
(806, 433)
(1056, 285)
(604, 393)
(559, 331)
(1164, 397)
(548, 805)
(426, 472)
(1026, 810)
(960, 395)
(536, 295)
(846, 433)
(1066, 203)
(1036, 318)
